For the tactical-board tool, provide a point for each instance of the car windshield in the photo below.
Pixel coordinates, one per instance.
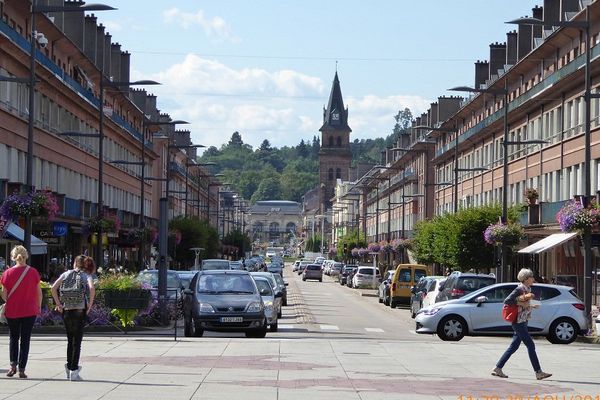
(264, 287)
(151, 278)
(223, 283)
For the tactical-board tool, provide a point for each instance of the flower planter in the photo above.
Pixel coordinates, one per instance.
(131, 299)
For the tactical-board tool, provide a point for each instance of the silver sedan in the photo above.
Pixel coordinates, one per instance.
(560, 316)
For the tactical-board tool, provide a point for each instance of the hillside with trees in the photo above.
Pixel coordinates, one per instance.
(286, 173)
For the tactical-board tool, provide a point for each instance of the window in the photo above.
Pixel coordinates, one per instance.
(338, 173)
(339, 141)
(404, 275)
(330, 141)
(497, 295)
(330, 174)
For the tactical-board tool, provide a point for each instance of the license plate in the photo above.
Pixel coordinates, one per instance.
(232, 319)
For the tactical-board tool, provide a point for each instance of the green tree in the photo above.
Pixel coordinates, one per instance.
(236, 140)
(349, 241)
(238, 239)
(194, 233)
(268, 189)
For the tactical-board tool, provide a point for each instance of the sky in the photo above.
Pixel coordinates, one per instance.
(265, 68)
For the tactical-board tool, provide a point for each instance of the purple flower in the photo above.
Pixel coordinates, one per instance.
(499, 234)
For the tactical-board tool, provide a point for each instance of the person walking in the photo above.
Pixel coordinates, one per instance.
(73, 294)
(23, 296)
(521, 296)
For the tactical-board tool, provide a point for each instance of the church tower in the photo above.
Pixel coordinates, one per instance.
(334, 156)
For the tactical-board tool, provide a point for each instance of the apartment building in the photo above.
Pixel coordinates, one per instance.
(75, 60)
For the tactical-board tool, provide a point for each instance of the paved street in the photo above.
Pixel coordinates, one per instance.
(333, 344)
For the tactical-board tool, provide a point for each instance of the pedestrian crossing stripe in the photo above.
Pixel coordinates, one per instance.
(374, 330)
(285, 326)
(329, 328)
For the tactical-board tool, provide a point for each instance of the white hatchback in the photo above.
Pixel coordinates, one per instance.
(366, 277)
(560, 316)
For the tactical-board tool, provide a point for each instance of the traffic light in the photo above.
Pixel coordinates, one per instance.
(345, 248)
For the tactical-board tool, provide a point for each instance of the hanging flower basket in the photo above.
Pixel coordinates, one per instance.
(500, 234)
(146, 234)
(386, 246)
(354, 252)
(573, 217)
(374, 247)
(400, 244)
(39, 203)
(363, 252)
(108, 223)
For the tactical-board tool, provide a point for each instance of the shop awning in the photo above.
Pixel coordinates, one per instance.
(37, 246)
(548, 243)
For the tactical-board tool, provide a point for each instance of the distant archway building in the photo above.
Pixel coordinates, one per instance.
(274, 220)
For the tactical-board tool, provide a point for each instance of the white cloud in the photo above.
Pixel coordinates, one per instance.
(113, 26)
(283, 106)
(215, 27)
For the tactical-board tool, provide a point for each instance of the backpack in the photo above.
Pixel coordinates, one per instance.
(73, 290)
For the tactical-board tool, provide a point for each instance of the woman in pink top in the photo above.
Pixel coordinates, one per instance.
(22, 306)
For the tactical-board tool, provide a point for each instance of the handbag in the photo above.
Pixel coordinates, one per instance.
(510, 312)
(3, 306)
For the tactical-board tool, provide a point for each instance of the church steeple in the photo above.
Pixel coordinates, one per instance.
(335, 116)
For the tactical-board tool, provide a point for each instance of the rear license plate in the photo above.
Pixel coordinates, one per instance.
(232, 319)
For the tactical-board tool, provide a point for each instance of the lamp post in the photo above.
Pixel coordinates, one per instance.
(322, 218)
(30, 81)
(583, 25)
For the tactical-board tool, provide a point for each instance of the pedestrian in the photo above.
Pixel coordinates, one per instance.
(73, 294)
(521, 296)
(23, 295)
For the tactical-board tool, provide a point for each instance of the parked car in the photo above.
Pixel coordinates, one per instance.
(350, 277)
(214, 263)
(418, 293)
(224, 300)
(459, 284)
(186, 277)
(276, 287)
(436, 286)
(174, 284)
(313, 271)
(267, 292)
(560, 316)
(366, 277)
(275, 268)
(296, 265)
(235, 265)
(302, 265)
(384, 287)
(343, 276)
(405, 277)
(335, 269)
(282, 287)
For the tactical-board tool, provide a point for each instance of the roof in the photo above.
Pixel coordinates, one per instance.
(335, 116)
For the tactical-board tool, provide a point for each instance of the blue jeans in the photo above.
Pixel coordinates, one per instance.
(20, 328)
(521, 335)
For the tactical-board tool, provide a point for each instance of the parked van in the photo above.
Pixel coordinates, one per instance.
(405, 277)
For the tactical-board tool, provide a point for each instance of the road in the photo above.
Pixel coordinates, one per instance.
(333, 344)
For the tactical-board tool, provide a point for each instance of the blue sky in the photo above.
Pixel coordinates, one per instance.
(265, 67)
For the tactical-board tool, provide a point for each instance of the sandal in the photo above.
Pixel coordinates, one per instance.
(11, 372)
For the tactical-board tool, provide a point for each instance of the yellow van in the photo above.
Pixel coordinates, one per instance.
(405, 277)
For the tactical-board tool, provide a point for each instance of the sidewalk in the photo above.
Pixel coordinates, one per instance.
(284, 369)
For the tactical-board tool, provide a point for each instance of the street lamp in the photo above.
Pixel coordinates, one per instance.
(30, 81)
(583, 25)
(322, 218)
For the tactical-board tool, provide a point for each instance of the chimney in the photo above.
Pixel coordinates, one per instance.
(569, 6)
(525, 40)
(99, 46)
(89, 45)
(383, 158)
(107, 54)
(511, 48)
(497, 58)
(538, 12)
(448, 106)
(115, 62)
(125, 61)
(551, 12)
(433, 114)
(74, 23)
(482, 73)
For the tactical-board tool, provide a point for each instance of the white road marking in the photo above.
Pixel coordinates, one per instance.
(376, 330)
(329, 328)
(285, 326)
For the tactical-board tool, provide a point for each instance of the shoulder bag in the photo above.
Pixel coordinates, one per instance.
(2, 307)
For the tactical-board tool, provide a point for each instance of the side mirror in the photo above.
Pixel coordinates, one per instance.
(480, 300)
(278, 295)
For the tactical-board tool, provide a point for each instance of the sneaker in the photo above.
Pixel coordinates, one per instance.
(75, 375)
(498, 372)
(542, 375)
(67, 372)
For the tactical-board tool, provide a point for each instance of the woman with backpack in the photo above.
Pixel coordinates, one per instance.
(73, 294)
(23, 296)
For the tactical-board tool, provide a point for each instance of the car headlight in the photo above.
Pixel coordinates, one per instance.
(432, 311)
(268, 305)
(206, 308)
(254, 307)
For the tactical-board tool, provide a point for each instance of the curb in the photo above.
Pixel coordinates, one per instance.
(366, 294)
(588, 339)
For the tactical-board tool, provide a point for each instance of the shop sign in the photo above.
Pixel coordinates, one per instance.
(47, 237)
(60, 229)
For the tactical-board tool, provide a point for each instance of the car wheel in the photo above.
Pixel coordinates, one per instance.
(304, 279)
(273, 327)
(320, 279)
(452, 328)
(563, 331)
(198, 331)
(284, 301)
